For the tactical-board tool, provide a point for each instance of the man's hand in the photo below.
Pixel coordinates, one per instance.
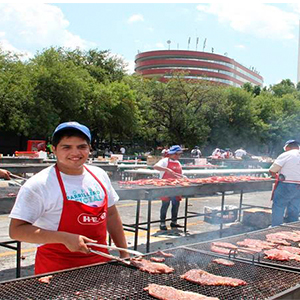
(77, 243)
(5, 174)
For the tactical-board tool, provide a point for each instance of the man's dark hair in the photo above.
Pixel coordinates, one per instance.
(293, 145)
(69, 132)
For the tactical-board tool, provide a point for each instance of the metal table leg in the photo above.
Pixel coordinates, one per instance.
(148, 226)
(222, 213)
(240, 206)
(185, 214)
(137, 219)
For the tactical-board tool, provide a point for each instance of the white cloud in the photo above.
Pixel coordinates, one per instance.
(160, 45)
(37, 26)
(242, 47)
(258, 19)
(136, 18)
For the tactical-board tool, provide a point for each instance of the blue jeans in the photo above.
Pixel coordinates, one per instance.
(174, 211)
(286, 196)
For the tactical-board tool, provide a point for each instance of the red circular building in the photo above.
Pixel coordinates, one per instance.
(197, 64)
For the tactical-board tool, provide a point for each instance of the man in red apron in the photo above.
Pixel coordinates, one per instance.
(65, 206)
(170, 167)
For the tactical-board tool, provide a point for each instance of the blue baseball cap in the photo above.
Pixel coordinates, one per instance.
(174, 149)
(73, 125)
(290, 142)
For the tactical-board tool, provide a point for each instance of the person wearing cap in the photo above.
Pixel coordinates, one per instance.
(67, 205)
(196, 152)
(170, 167)
(286, 191)
(4, 174)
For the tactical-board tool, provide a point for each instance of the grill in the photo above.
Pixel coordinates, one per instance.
(115, 281)
(260, 235)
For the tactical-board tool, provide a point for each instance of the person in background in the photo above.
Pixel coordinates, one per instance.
(239, 153)
(122, 150)
(67, 205)
(216, 153)
(227, 154)
(170, 167)
(164, 151)
(196, 152)
(4, 174)
(286, 191)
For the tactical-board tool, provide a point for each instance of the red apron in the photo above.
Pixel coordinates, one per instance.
(176, 167)
(76, 218)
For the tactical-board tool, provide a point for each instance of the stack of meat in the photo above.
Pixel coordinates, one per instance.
(277, 246)
(189, 181)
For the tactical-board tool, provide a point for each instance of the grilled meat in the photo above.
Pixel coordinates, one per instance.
(252, 243)
(220, 250)
(150, 267)
(165, 254)
(164, 292)
(157, 259)
(290, 249)
(222, 261)
(204, 278)
(224, 245)
(45, 279)
(285, 235)
(282, 255)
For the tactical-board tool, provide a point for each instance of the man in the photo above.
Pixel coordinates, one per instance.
(196, 153)
(66, 206)
(4, 174)
(286, 195)
(239, 153)
(170, 167)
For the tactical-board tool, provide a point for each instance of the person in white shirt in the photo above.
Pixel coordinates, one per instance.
(66, 206)
(286, 195)
(239, 153)
(122, 150)
(196, 152)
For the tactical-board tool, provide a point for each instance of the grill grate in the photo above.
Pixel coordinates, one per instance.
(261, 235)
(114, 281)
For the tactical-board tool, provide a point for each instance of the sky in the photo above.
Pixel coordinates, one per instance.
(259, 35)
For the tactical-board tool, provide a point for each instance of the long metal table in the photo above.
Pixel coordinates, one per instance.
(150, 193)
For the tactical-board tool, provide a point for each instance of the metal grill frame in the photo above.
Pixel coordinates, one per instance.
(116, 281)
(258, 257)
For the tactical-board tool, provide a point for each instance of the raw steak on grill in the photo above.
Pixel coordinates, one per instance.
(277, 241)
(221, 250)
(224, 245)
(285, 235)
(165, 254)
(164, 292)
(157, 259)
(277, 254)
(222, 261)
(290, 249)
(204, 278)
(150, 267)
(252, 243)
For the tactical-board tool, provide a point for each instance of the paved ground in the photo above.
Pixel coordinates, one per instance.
(198, 230)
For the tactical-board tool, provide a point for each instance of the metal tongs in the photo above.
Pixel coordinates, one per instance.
(17, 177)
(137, 253)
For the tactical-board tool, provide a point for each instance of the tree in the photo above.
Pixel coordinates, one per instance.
(15, 94)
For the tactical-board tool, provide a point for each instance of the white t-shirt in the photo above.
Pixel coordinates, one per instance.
(240, 153)
(290, 164)
(164, 163)
(40, 199)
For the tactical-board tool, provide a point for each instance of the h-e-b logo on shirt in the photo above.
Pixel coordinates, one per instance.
(87, 219)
